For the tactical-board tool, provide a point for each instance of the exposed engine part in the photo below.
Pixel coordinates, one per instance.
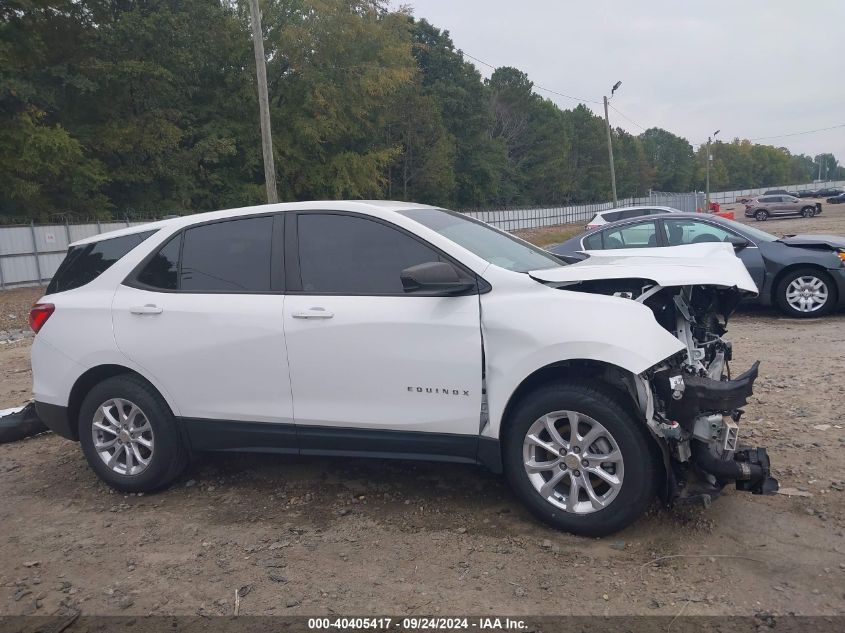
(689, 401)
(749, 468)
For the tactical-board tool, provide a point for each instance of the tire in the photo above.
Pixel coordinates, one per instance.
(761, 215)
(637, 473)
(808, 212)
(789, 291)
(166, 456)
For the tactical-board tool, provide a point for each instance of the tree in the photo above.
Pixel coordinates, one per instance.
(671, 159)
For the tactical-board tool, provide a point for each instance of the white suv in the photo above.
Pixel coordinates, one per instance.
(388, 329)
(626, 213)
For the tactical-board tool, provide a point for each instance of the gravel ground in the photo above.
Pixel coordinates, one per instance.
(344, 536)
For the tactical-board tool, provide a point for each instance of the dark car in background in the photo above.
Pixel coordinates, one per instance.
(804, 275)
(828, 192)
(840, 199)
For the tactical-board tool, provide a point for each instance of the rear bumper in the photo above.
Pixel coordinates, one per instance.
(55, 418)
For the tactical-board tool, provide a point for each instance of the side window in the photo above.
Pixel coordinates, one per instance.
(162, 270)
(612, 216)
(343, 254)
(630, 213)
(679, 232)
(593, 242)
(638, 235)
(230, 256)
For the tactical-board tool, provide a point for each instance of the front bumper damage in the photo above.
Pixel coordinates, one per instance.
(698, 419)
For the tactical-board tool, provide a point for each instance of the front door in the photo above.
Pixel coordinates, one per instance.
(687, 231)
(375, 370)
(208, 329)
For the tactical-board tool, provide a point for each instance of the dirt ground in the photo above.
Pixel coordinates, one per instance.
(343, 536)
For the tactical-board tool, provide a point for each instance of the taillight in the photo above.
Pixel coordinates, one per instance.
(39, 314)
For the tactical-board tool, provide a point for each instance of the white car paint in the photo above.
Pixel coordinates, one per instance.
(245, 357)
(712, 263)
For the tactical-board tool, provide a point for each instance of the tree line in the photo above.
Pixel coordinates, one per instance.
(148, 107)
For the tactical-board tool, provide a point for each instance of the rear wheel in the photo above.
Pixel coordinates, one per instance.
(129, 436)
(578, 460)
(761, 215)
(808, 212)
(806, 292)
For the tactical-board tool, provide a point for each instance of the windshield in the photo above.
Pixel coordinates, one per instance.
(497, 247)
(754, 234)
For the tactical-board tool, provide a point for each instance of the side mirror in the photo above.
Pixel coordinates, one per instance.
(434, 278)
(738, 242)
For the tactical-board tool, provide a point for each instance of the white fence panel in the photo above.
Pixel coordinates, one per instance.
(30, 255)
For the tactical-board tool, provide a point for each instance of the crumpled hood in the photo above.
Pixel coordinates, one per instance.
(815, 241)
(709, 264)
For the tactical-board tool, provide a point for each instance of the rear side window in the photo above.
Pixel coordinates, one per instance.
(612, 216)
(84, 263)
(162, 270)
(233, 256)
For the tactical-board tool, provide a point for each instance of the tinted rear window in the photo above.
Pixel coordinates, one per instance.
(84, 263)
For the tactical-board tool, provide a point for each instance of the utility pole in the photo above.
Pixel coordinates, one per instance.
(707, 177)
(610, 144)
(263, 102)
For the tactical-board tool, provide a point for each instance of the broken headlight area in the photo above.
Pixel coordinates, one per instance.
(697, 406)
(690, 401)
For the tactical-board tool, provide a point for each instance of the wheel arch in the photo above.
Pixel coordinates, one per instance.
(617, 378)
(89, 379)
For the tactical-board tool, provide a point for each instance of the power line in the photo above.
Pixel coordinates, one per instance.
(538, 86)
(630, 120)
(624, 116)
(821, 129)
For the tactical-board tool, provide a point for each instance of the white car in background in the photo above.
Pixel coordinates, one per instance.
(390, 329)
(625, 213)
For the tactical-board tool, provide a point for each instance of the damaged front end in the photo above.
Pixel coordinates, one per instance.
(690, 401)
(695, 406)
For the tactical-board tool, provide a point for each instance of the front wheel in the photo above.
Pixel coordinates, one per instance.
(806, 292)
(578, 460)
(761, 215)
(129, 436)
(808, 212)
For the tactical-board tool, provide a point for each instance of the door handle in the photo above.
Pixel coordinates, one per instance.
(313, 313)
(147, 309)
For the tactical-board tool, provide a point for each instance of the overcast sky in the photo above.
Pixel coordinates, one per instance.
(751, 68)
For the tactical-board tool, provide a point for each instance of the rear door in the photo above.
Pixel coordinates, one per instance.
(203, 317)
(368, 360)
(635, 235)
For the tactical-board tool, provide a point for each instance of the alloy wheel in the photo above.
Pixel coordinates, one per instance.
(123, 436)
(573, 462)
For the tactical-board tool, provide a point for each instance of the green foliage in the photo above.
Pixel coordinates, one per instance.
(149, 107)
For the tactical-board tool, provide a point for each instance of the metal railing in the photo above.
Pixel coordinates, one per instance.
(30, 254)
(537, 217)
